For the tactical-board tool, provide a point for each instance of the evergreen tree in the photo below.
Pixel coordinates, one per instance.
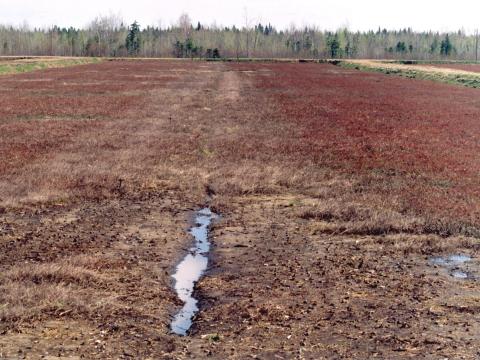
(108, 36)
(213, 53)
(434, 46)
(401, 47)
(133, 39)
(307, 43)
(178, 49)
(333, 46)
(446, 48)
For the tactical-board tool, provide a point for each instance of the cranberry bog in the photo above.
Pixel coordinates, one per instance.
(348, 203)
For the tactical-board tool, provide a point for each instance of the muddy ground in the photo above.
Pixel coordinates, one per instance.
(328, 228)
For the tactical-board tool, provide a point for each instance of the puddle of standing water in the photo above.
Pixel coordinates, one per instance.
(458, 274)
(190, 270)
(454, 263)
(452, 260)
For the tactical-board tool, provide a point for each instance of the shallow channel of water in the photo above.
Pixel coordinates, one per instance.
(190, 270)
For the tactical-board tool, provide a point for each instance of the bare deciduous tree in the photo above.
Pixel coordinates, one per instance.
(106, 35)
(185, 24)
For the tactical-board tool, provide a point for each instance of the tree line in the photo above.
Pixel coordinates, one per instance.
(109, 36)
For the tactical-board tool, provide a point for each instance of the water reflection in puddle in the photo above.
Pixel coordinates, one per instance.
(451, 260)
(455, 264)
(458, 274)
(190, 270)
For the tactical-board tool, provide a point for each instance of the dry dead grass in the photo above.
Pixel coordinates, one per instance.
(16, 65)
(31, 292)
(457, 75)
(337, 217)
(421, 68)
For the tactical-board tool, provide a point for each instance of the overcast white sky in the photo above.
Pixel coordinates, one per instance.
(326, 14)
